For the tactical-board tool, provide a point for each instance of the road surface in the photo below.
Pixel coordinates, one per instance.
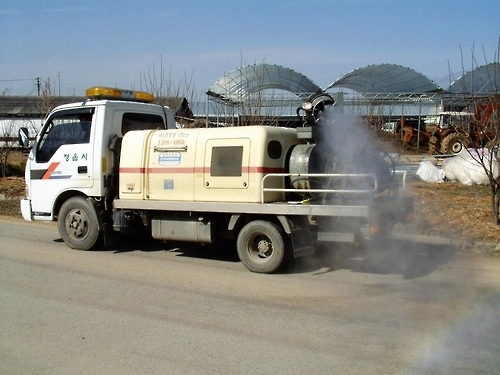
(142, 308)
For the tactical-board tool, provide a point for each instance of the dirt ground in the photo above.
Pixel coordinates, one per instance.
(449, 209)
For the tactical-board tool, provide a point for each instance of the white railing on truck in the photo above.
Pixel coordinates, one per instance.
(403, 173)
(320, 175)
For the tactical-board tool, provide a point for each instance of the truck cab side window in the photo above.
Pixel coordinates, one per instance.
(141, 121)
(63, 130)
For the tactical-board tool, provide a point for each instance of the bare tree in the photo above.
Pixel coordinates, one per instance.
(166, 91)
(264, 107)
(47, 98)
(485, 144)
(7, 140)
(489, 157)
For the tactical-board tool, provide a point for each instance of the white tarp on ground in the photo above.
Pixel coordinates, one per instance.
(466, 168)
(428, 172)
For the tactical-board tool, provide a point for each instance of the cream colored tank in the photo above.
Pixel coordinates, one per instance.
(205, 164)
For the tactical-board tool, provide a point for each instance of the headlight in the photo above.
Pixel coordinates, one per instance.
(307, 106)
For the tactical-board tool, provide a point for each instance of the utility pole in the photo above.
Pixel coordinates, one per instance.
(59, 82)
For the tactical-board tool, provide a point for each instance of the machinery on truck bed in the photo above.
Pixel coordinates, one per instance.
(117, 164)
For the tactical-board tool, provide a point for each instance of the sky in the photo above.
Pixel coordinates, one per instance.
(126, 43)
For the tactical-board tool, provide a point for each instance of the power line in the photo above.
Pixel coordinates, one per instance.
(18, 80)
(37, 82)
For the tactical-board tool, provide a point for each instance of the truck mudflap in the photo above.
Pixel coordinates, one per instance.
(300, 233)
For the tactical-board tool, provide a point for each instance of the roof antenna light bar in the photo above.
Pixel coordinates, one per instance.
(100, 92)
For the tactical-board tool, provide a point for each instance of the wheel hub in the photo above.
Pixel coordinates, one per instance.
(456, 147)
(77, 225)
(264, 247)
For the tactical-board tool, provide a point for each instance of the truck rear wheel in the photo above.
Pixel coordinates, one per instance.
(454, 143)
(262, 246)
(78, 224)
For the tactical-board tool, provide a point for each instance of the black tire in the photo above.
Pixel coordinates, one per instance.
(78, 224)
(454, 143)
(263, 246)
(434, 145)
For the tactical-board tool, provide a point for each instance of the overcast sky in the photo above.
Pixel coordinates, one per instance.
(78, 44)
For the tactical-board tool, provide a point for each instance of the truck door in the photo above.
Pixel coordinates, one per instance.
(62, 157)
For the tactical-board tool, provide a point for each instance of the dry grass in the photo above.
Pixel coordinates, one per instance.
(453, 210)
(17, 158)
(12, 187)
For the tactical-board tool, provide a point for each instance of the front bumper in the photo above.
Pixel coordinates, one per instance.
(26, 209)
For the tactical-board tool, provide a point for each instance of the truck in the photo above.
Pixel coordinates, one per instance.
(117, 164)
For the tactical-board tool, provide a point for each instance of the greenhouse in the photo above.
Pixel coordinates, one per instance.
(384, 90)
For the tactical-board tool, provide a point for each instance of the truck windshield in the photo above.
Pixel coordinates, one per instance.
(63, 130)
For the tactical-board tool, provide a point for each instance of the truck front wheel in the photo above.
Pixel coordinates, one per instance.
(78, 224)
(263, 246)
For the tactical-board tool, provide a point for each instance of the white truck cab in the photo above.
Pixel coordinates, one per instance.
(75, 152)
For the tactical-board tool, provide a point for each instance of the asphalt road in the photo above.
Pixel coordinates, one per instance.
(142, 308)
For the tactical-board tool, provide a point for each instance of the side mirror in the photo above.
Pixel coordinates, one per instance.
(23, 137)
